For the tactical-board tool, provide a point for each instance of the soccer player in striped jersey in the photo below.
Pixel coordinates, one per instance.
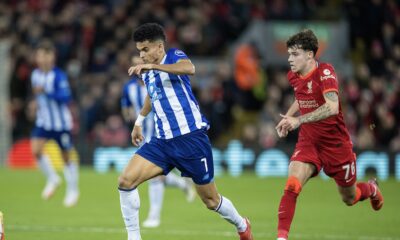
(324, 141)
(181, 140)
(53, 121)
(133, 97)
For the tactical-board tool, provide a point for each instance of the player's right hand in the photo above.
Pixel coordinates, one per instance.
(136, 135)
(281, 129)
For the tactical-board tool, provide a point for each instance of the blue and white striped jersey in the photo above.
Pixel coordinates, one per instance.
(52, 112)
(133, 95)
(176, 109)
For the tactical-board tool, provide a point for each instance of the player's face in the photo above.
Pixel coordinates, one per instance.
(150, 52)
(298, 59)
(45, 59)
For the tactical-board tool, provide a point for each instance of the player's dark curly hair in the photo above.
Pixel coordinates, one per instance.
(149, 31)
(305, 40)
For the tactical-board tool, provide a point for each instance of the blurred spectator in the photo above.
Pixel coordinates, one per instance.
(249, 76)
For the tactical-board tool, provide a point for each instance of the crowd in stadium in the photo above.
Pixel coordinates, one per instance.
(94, 46)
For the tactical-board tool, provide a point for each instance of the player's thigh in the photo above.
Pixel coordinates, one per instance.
(208, 194)
(137, 171)
(340, 164)
(192, 155)
(304, 162)
(37, 145)
(302, 171)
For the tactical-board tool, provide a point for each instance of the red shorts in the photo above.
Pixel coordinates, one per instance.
(338, 162)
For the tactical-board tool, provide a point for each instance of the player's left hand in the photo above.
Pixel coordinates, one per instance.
(290, 123)
(136, 135)
(139, 69)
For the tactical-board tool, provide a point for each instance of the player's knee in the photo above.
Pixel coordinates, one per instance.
(348, 199)
(126, 182)
(293, 185)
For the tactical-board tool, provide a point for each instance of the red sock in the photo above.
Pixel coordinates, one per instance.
(363, 191)
(288, 206)
(286, 213)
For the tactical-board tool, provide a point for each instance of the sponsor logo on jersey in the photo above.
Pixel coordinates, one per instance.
(326, 77)
(308, 104)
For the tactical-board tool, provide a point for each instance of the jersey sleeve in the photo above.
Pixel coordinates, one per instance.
(175, 55)
(125, 101)
(62, 91)
(328, 79)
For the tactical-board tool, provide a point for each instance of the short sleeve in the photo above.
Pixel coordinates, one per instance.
(175, 55)
(328, 79)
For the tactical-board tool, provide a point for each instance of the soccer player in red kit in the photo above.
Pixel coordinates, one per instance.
(323, 141)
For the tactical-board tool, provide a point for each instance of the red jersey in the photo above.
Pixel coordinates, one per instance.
(309, 93)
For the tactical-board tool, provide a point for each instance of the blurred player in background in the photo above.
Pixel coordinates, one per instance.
(133, 97)
(53, 121)
(323, 141)
(181, 139)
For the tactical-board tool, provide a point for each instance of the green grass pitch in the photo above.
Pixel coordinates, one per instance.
(320, 213)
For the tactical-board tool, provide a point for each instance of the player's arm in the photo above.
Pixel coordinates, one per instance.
(293, 109)
(146, 109)
(136, 134)
(329, 108)
(37, 90)
(62, 92)
(128, 113)
(182, 67)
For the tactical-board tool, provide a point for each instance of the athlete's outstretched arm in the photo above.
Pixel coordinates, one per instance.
(182, 67)
(329, 108)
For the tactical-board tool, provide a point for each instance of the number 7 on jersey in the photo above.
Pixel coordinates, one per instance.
(205, 163)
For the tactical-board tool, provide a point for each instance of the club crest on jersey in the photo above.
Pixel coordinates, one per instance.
(309, 86)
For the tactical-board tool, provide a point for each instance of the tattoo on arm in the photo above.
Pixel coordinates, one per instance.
(320, 113)
(332, 96)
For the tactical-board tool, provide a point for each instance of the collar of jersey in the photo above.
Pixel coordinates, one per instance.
(311, 72)
(164, 58)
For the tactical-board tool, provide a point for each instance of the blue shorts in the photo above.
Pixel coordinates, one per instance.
(63, 138)
(190, 153)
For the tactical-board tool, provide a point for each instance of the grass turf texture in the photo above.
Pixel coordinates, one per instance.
(320, 213)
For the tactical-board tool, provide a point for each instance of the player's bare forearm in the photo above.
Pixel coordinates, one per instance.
(37, 90)
(294, 108)
(320, 113)
(183, 67)
(329, 108)
(146, 106)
